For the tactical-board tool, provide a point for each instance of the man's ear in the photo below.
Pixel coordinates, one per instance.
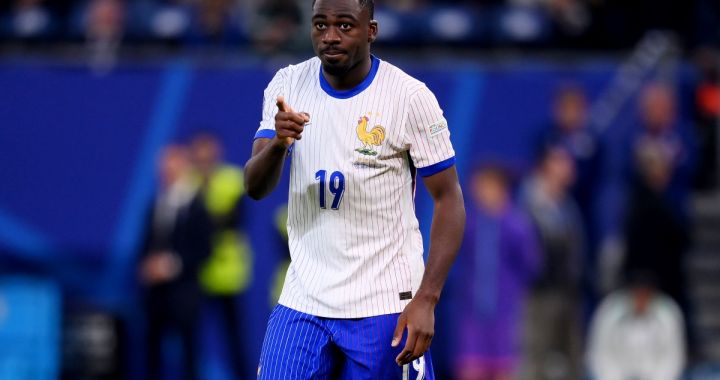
(372, 31)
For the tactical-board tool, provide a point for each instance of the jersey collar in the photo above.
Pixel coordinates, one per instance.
(345, 94)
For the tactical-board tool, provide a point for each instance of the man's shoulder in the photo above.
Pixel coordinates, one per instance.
(401, 79)
(292, 70)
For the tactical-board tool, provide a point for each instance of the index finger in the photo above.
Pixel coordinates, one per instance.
(282, 106)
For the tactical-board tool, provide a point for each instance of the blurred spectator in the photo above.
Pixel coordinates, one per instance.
(637, 333)
(662, 133)
(276, 25)
(30, 19)
(707, 105)
(656, 236)
(226, 273)
(500, 261)
(569, 18)
(196, 22)
(580, 24)
(177, 241)
(213, 16)
(570, 130)
(170, 21)
(554, 334)
(104, 30)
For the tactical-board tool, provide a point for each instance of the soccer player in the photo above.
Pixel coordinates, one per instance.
(358, 301)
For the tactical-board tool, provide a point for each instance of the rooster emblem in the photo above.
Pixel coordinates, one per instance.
(375, 137)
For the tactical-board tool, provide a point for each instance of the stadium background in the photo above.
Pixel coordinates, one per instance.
(81, 126)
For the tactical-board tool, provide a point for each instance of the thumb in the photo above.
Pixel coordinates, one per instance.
(282, 106)
(397, 335)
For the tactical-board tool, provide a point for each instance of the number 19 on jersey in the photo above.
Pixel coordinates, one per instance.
(335, 184)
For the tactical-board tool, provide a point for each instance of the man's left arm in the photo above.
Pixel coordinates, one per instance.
(446, 233)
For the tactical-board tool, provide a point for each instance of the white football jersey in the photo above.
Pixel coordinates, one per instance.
(354, 240)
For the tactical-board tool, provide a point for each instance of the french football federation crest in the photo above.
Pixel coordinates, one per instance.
(373, 137)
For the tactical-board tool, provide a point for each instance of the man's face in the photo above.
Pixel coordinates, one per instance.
(205, 154)
(173, 163)
(642, 296)
(341, 34)
(570, 111)
(490, 191)
(560, 167)
(658, 108)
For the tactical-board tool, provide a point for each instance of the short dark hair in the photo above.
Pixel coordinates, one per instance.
(497, 169)
(368, 4)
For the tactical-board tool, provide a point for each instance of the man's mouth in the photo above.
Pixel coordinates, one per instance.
(333, 53)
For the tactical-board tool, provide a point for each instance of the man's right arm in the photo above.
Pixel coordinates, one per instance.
(264, 168)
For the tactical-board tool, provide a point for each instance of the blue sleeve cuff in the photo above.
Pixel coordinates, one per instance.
(436, 168)
(264, 134)
(269, 134)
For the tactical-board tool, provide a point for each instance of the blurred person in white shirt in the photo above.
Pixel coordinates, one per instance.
(637, 333)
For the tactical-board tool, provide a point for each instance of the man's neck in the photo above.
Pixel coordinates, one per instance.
(351, 78)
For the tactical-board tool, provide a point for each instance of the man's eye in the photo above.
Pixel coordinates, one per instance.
(345, 26)
(320, 26)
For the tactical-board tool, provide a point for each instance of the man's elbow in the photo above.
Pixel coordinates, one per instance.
(256, 196)
(252, 187)
(256, 192)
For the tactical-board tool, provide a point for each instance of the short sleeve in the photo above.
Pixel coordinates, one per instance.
(427, 134)
(275, 88)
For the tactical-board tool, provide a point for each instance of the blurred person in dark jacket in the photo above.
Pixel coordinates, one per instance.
(226, 274)
(570, 129)
(553, 340)
(661, 131)
(656, 237)
(177, 242)
(501, 259)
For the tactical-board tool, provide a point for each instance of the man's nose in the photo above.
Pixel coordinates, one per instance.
(331, 35)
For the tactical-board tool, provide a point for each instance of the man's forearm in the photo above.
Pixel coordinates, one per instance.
(445, 238)
(264, 168)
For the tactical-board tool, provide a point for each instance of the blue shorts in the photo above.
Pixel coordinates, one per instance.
(300, 346)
